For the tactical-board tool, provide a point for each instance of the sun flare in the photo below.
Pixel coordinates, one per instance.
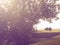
(7, 4)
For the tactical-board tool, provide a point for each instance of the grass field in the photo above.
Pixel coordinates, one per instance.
(48, 42)
(48, 31)
(47, 37)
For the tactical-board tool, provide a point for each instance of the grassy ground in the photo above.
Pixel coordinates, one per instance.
(48, 42)
(47, 37)
(51, 41)
(48, 31)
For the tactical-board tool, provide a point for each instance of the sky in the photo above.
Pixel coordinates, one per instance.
(43, 24)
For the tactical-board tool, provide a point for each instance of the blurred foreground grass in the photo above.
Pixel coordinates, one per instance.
(48, 42)
(53, 40)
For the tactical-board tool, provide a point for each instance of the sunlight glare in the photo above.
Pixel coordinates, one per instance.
(58, 15)
(58, 2)
(6, 3)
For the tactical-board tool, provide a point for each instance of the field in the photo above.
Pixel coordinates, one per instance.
(48, 31)
(46, 37)
(48, 42)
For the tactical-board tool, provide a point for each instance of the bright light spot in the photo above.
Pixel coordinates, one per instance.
(38, 2)
(55, 25)
(4, 8)
(57, 9)
(58, 2)
(43, 24)
(58, 15)
(5, 4)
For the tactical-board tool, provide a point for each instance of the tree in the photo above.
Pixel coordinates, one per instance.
(19, 20)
